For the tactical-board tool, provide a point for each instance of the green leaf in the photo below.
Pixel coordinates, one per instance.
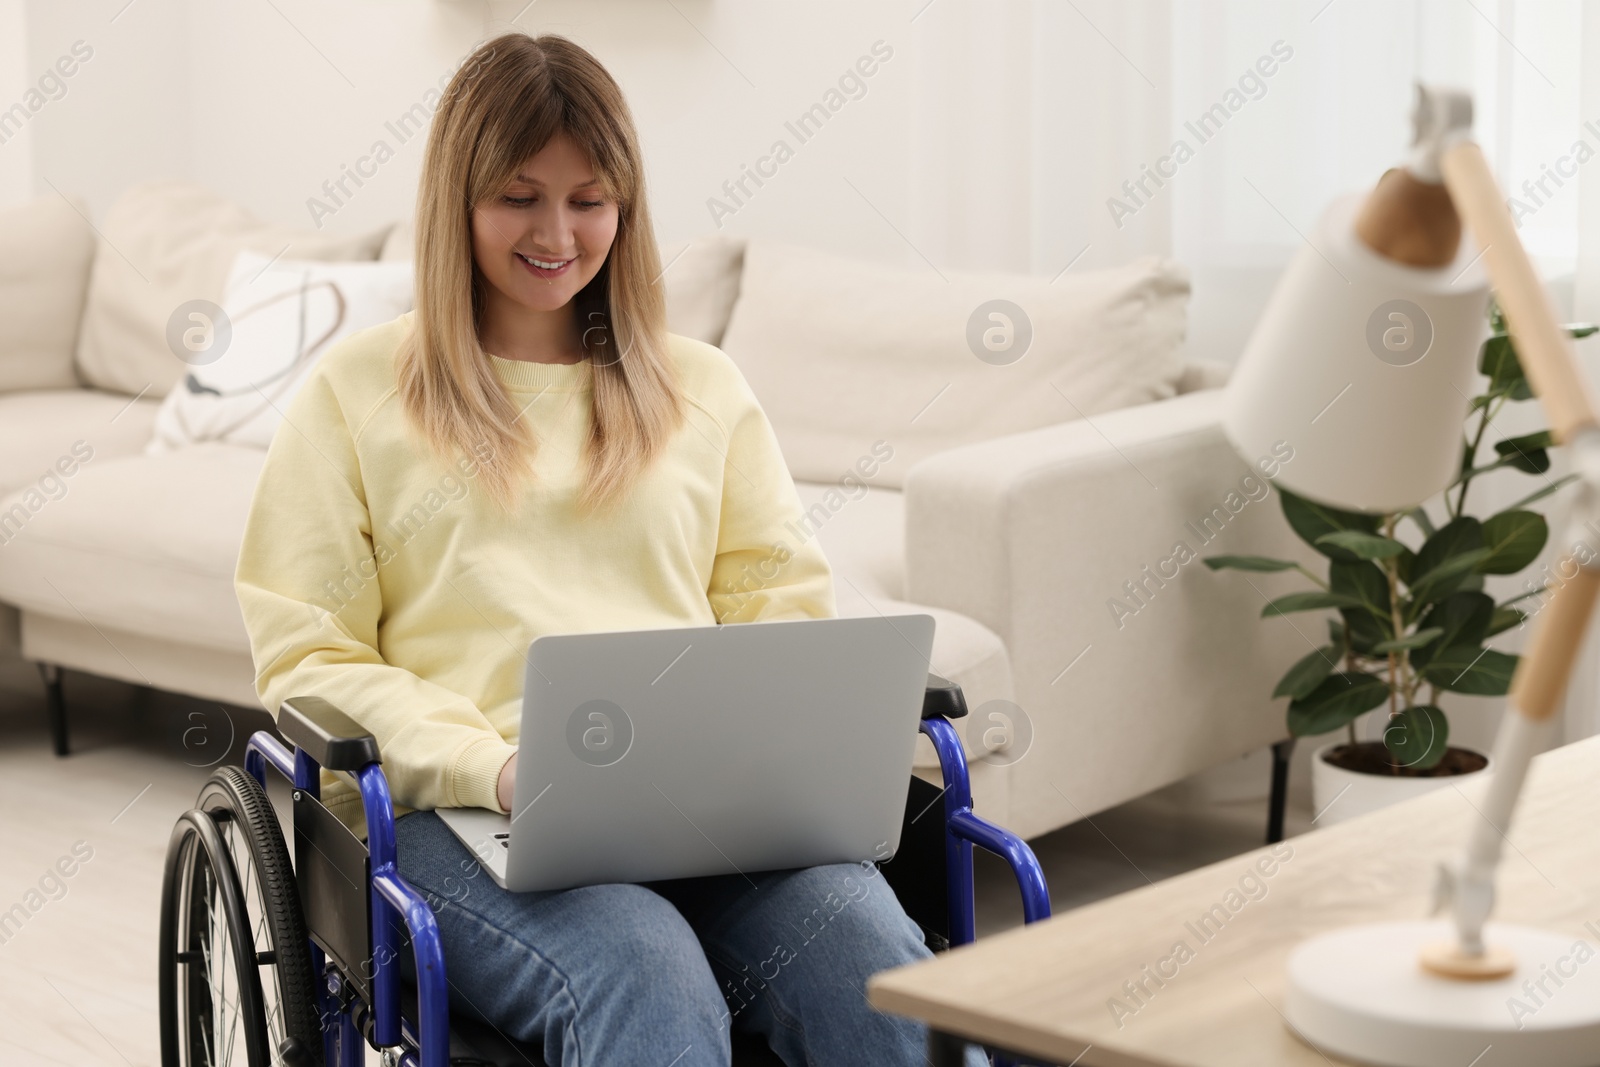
(1418, 736)
(1514, 540)
(1504, 619)
(1419, 515)
(1469, 669)
(1581, 329)
(1446, 559)
(1311, 521)
(1307, 673)
(1336, 632)
(1365, 631)
(1247, 563)
(1363, 544)
(1498, 359)
(1416, 640)
(1332, 704)
(1366, 584)
(1527, 453)
(1368, 621)
(1463, 616)
(1456, 536)
(1309, 601)
(1525, 443)
(1535, 462)
(1451, 576)
(1542, 493)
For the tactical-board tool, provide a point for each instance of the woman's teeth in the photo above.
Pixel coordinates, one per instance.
(544, 264)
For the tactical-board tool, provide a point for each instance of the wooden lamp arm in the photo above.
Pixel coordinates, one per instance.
(1547, 358)
(1545, 351)
(1542, 346)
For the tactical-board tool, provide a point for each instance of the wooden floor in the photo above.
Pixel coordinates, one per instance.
(78, 980)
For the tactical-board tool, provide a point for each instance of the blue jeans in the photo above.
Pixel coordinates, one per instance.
(655, 975)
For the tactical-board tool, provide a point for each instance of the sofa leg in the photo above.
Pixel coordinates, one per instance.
(56, 704)
(1281, 753)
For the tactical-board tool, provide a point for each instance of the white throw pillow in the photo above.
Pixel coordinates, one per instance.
(161, 246)
(865, 369)
(282, 316)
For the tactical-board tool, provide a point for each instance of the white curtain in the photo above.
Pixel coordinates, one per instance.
(1337, 113)
(1583, 697)
(1038, 124)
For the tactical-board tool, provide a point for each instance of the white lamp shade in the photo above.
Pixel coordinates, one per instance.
(1364, 367)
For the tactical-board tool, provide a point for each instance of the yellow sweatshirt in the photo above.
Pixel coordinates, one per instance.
(383, 580)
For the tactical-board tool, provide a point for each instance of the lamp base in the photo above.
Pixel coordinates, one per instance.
(1363, 993)
(1445, 959)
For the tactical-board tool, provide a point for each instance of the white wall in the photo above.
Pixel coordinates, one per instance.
(992, 139)
(989, 140)
(938, 161)
(16, 154)
(124, 117)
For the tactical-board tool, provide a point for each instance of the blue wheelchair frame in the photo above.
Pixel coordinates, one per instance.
(426, 1041)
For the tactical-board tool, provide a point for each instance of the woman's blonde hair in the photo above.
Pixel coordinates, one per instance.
(510, 97)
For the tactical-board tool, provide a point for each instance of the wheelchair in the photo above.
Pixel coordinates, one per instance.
(264, 961)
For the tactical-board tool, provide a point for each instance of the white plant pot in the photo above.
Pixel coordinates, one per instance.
(1338, 794)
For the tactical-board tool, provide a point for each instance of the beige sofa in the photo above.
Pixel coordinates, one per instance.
(1021, 508)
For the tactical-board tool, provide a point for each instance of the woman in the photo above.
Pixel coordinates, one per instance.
(531, 452)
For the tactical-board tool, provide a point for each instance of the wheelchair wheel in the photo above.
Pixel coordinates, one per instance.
(236, 978)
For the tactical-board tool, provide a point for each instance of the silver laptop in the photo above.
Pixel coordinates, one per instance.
(655, 754)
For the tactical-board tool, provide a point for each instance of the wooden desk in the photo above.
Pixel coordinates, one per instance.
(1051, 990)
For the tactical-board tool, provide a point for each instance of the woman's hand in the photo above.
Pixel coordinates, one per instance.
(508, 780)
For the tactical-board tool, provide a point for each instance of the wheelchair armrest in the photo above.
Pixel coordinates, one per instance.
(327, 734)
(943, 698)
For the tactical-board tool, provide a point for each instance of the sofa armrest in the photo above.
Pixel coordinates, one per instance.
(1080, 545)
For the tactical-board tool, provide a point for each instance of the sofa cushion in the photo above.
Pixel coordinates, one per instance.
(38, 431)
(141, 543)
(164, 245)
(702, 280)
(851, 359)
(169, 575)
(45, 251)
(401, 242)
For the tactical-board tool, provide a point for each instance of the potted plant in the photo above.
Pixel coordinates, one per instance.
(1413, 618)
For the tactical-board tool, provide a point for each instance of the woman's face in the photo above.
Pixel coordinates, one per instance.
(552, 212)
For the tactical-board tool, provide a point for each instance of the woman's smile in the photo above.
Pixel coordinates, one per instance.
(544, 267)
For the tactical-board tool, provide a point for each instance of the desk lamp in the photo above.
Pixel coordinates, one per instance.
(1363, 362)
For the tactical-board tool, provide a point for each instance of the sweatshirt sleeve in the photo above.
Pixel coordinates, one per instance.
(307, 532)
(768, 566)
